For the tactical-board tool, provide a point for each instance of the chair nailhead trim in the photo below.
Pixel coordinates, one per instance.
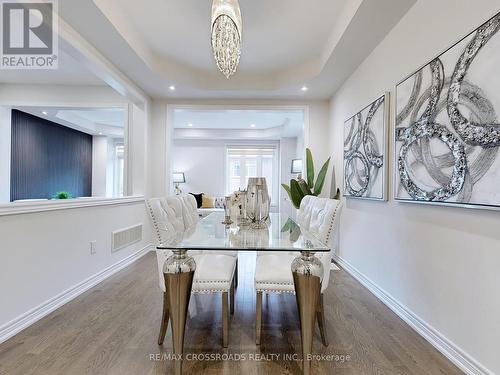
(155, 224)
(334, 216)
(207, 291)
(277, 291)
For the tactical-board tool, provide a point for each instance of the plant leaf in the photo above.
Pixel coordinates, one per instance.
(296, 193)
(287, 189)
(295, 234)
(288, 226)
(310, 168)
(321, 178)
(303, 186)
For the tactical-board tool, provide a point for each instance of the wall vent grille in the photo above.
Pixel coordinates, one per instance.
(124, 237)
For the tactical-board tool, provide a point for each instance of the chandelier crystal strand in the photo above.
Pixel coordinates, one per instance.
(226, 35)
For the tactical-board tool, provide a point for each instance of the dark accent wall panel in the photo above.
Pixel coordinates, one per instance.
(47, 157)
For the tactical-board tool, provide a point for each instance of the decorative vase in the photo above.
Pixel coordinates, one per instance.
(227, 211)
(243, 220)
(258, 202)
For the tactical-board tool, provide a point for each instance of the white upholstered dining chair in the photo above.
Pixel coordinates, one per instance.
(214, 272)
(273, 274)
(191, 218)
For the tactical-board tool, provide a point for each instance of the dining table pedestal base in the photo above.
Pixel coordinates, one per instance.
(178, 272)
(307, 273)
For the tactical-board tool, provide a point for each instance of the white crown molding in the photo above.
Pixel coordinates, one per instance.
(349, 41)
(209, 78)
(81, 50)
(17, 208)
(449, 349)
(25, 320)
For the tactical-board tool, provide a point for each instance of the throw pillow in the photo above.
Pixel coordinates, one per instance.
(198, 198)
(207, 202)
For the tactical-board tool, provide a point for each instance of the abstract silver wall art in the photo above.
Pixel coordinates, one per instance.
(365, 149)
(447, 134)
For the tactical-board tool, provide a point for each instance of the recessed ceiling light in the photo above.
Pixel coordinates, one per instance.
(190, 125)
(252, 125)
(100, 133)
(304, 88)
(171, 87)
(44, 112)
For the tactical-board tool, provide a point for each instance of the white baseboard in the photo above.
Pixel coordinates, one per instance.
(449, 349)
(18, 324)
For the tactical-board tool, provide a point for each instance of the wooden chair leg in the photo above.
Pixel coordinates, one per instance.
(225, 320)
(320, 314)
(258, 318)
(164, 320)
(231, 297)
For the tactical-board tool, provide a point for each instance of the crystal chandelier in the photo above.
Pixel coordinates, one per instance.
(226, 35)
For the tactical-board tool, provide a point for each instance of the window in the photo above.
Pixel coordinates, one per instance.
(234, 174)
(244, 162)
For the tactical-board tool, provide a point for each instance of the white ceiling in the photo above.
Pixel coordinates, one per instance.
(286, 43)
(237, 118)
(69, 72)
(94, 121)
(277, 34)
(217, 123)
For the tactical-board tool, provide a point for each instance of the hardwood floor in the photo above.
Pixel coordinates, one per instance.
(113, 328)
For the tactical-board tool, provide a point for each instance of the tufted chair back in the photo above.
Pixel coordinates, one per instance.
(167, 218)
(189, 210)
(162, 226)
(321, 217)
(305, 211)
(173, 207)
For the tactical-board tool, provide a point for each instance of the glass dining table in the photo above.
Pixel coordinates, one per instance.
(281, 233)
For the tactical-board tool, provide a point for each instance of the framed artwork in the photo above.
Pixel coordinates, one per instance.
(365, 151)
(447, 133)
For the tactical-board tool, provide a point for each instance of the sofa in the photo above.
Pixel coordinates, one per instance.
(218, 206)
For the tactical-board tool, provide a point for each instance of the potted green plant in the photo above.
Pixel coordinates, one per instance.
(299, 187)
(62, 195)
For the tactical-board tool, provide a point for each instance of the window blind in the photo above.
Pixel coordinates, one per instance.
(251, 150)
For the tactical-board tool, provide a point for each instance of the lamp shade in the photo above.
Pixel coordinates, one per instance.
(178, 177)
(297, 166)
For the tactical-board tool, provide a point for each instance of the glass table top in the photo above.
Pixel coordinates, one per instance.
(281, 234)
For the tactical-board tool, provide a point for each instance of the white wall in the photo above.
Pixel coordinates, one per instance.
(159, 151)
(110, 167)
(45, 254)
(99, 165)
(5, 144)
(288, 151)
(103, 166)
(203, 163)
(62, 95)
(137, 149)
(442, 263)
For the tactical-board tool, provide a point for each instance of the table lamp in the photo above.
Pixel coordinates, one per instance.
(178, 178)
(297, 167)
